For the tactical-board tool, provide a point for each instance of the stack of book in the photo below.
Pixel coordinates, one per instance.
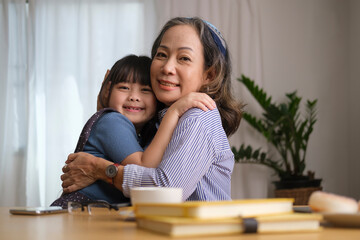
(198, 218)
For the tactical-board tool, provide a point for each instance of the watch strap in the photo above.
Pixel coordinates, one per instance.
(116, 165)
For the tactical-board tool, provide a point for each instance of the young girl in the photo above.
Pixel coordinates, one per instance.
(121, 132)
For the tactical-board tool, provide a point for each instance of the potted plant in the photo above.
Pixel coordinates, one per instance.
(288, 132)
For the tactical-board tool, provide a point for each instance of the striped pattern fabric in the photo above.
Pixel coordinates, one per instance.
(198, 159)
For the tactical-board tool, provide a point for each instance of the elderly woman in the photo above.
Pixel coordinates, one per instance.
(189, 55)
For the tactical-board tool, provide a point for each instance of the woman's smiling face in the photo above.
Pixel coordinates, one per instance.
(178, 65)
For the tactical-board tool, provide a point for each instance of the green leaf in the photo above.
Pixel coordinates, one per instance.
(283, 126)
(256, 154)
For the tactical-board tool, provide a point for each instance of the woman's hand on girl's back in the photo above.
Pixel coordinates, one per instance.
(79, 171)
(193, 100)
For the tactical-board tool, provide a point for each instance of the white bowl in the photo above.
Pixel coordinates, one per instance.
(155, 195)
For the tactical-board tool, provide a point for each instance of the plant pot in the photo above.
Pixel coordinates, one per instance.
(300, 189)
(300, 195)
(297, 183)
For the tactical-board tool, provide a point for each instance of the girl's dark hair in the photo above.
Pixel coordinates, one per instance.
(220, 87)
(130, 69)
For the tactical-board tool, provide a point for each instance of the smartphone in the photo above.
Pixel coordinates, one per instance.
(37, 210)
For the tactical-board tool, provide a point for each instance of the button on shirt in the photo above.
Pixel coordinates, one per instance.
(198, 159)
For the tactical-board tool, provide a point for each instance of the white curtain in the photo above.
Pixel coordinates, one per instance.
(54, 54)
(13, 104)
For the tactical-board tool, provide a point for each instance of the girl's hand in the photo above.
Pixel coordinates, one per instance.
(192, 100)
(80, 171)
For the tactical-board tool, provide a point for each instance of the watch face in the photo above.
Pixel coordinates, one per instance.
(111, 171)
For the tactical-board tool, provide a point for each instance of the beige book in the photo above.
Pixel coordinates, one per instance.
(217, 209)
(183, 227)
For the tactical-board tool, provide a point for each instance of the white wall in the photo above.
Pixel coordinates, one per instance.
(313, 47)
(354, 99)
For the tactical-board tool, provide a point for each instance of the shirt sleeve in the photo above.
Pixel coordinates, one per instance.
(186, 160)
(116, 137)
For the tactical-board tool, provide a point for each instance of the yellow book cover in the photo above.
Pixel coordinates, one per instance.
(183, 227)
(217, 209)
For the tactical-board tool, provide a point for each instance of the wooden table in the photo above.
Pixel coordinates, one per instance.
(78, 227)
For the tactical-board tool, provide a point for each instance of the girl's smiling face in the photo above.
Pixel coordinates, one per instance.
(178, 65)
(135, 101)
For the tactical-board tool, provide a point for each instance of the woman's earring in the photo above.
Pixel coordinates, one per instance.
(207, 89)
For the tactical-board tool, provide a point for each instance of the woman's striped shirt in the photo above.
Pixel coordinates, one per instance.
(198, 159)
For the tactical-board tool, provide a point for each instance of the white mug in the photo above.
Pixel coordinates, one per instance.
(155, 195)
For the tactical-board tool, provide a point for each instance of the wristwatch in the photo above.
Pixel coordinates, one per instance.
(111, 171)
